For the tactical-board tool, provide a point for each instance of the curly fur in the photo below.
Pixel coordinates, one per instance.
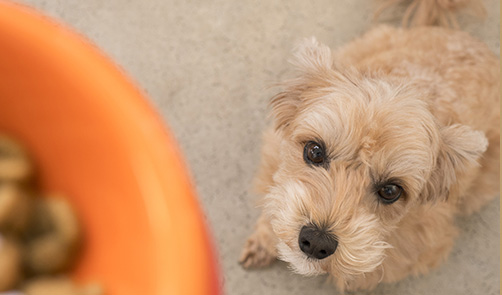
(434, 12)
(417, 106)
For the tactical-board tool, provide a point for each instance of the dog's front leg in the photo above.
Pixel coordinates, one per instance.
(260, 249)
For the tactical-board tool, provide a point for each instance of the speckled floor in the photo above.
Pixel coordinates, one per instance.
(207, 65)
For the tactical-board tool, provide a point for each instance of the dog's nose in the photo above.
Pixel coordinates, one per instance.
(316, 243)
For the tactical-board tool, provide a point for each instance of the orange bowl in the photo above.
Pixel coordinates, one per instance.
(97, 140)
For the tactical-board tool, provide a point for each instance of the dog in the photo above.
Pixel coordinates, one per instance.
(373, 151)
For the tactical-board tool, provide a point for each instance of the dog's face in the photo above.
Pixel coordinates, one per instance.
(355, 155)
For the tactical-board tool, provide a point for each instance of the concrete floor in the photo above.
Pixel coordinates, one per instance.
(207, 65)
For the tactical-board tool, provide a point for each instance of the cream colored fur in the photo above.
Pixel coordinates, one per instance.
(434, 12)
(420, 106)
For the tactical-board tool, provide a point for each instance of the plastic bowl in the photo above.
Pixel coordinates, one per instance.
(97, 140)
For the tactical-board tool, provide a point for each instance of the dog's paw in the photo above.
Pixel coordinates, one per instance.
(255, 254)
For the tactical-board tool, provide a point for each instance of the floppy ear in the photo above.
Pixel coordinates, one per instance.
(315, 63)
(460, 150)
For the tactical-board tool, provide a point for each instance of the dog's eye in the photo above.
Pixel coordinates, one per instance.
(389, 193)
(313, 153)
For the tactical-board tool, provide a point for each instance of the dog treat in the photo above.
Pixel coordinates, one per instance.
(39, 234)
(14, 163)
(15, 209)
(10, 263)
(53, 240)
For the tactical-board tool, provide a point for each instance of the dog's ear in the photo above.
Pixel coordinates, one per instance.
(460, 149)
(316, 66)
(313, 59)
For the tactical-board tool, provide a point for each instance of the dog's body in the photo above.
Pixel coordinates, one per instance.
(411, 114)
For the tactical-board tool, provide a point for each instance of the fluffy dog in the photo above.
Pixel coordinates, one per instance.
(373, 151)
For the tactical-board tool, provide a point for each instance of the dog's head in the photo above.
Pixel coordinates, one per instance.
(356, 153)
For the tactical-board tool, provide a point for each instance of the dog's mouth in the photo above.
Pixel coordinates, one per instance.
(356, 249)
(300, 262)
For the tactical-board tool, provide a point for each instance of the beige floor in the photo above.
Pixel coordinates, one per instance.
(207, 65)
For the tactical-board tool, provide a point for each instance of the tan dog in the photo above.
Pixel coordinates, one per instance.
(374, 149)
